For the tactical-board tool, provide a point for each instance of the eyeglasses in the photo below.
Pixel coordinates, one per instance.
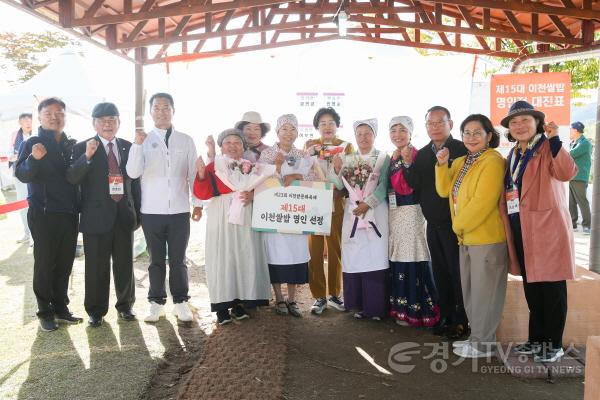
(436, 123)
(474, 134)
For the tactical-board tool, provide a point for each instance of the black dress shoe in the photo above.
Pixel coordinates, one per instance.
(95, 321)
(127, 315)
(68, 318)
(48, 324)
(458, 332)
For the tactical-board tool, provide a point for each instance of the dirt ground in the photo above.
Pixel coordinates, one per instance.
(335, 356)
(332, 356)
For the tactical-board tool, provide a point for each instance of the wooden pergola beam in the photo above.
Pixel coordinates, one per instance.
(560, 26)
(352, 8)
(425, 17)
(466, 31)
(172, 11)
(529, 7)
(243, 49)
(91, 11)
(66, 12)
(433, 46)
(140, 25)
(43, 3)
(224, 33)
(469, 20)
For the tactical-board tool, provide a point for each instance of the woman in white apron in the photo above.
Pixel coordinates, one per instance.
(287, 254)
(365, 262)
(236, 267)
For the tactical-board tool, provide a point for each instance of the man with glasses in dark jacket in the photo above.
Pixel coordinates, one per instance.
(441, 239)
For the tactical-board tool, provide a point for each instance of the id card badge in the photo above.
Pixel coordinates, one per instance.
(392, 200)
(512, 201)
(115, 184)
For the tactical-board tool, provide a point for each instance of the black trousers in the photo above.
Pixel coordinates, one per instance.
(547, 301)
(443, 247)
(99, 249)
(55, 238)
(160, 231)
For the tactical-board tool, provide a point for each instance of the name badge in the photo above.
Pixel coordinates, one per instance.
(512, 201)
(392, 200)
(115, 184)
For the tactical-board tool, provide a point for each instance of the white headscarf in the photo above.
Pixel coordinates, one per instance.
(407, 122)
(371, 123)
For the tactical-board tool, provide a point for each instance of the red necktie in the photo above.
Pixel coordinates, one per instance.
(113, 168)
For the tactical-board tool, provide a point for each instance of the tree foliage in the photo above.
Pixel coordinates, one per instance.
(22, 54)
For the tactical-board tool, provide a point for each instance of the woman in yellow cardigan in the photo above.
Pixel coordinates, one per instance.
(473, 185)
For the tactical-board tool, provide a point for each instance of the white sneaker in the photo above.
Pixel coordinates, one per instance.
(156, 311)
(24, 239)
(182, 312)
(468, 351)
(460, 343)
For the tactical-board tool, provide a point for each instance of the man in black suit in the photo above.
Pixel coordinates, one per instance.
(109, 203)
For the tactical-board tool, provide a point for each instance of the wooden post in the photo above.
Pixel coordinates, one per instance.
(141, 54)
(595, 237)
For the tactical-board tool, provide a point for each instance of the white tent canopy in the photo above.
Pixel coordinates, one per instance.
(65, 77)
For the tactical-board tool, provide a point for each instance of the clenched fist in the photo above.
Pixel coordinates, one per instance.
(38, 151)
(406, 154)
(442, 156)
(210, 145)
(90, 148)
(140, 136)
(337, 163)
(551, 129)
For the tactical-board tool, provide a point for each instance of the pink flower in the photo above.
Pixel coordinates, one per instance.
(246, 167)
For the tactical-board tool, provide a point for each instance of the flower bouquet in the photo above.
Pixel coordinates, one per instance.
(240, 176)
(326, 153)
(361, 181)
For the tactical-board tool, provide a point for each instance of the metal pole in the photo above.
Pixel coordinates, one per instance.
(140, 57)
(595, 238)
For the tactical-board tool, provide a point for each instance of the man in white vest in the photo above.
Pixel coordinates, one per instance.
(165, 161)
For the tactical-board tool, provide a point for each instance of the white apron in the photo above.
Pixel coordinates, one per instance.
(366, 251)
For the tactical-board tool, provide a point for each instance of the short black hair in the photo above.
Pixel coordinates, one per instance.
(326, 111)
(488, 127)
(263, 128)
(539, 129)
(438, 108)
(25, 115)
(50, 101)
(161, 95)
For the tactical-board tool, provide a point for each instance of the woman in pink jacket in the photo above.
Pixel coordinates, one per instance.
(538, 227)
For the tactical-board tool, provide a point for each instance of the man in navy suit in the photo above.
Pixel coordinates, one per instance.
(109, 203)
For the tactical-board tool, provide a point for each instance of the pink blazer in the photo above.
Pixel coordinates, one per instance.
(545, 221)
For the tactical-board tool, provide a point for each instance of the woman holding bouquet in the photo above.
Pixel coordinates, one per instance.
(236, 267)
(365, 262)
(287, 254)
(327, 121)
(413, 296)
